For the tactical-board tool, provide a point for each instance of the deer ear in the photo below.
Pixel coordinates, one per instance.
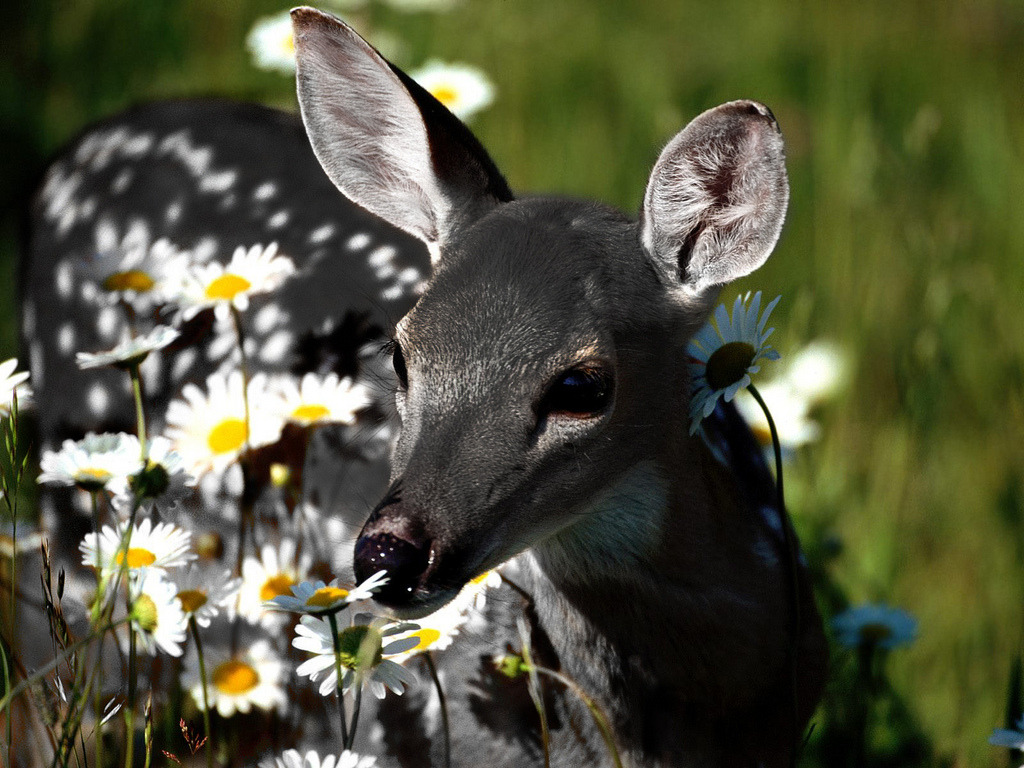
(717, 197)
(385, 142)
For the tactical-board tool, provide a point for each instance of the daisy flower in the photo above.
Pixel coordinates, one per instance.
(254, 271)
(271, 43)
(317, 598)
(463, 89)
(321, 399)
(272, 574)
(292, 758)
(254, 677)
(1003, 737)
(203, 593)
(724, 354)
(95, 463)
(156, 614)
(817, 371)
(438, 630)
(153, 547)
(875, 626)
(209, 429)
(11, 382)
(790, 411)
(136, 273)
(130, 352)
(362, 650)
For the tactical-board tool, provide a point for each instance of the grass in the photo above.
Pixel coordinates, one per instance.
(904, 241)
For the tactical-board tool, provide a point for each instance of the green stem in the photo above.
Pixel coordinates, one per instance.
(206, 696)
(247, 502)
(140, 413)
(793, 555)
(96, 603)
(429, 659)
(536, 693)
(356, 701)
(337, 671)
(129, 708)
(595, 711)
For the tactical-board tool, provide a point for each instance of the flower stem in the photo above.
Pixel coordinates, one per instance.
(429, 659)
(356, 701)
(792, 556)
(129, 709)
(536, 693)
(206, 696)
(332, 619)
(595, 711)
(140, 411)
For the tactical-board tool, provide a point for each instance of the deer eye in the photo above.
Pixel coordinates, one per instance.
(582, 391)
(398, 361)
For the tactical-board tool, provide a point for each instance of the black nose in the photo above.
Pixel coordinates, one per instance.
(404, 562)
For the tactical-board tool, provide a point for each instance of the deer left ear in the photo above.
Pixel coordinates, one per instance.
(717, 197)
(385, 142)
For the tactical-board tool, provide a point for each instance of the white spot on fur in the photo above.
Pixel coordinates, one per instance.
(28, 317)
(64, 279)
(98, 399)
(358, 241)
(204, 249)
(173, 211)
(278, 220)
(265, 191)
(381, 256)
(267, 317)
(322, 234)
(183, 363)
(218, 182)
(66, 339)
(229, 201)
(409, 275)
(275, 347)
(107, 322)
(121, 181)
(392, 293)
(36, 357)
(105, 235)
(137, 145)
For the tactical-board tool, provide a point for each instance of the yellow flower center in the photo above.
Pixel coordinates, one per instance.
(192, 599)
(872, 634)
(227, 436)
(729, 363)
(145, 613)
(427, 637)
(130, 280)
(227, 286)
(278, 584)
(136, 558)
(235, 677)
(446, 94)
(92, 478)
(480, 579)
(326, 596)
(288, 44)
(280, 474)
(310, 412)
(762, 434)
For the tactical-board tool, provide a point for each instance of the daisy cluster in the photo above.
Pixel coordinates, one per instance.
(462, 88)
(161, 584)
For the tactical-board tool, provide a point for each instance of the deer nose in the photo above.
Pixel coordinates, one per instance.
(404, 561)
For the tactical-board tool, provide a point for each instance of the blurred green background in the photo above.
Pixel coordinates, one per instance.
(904, 243)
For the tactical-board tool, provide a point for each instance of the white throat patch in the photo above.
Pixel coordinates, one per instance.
(616, 534)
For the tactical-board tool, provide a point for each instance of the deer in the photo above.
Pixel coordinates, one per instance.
(532, 407)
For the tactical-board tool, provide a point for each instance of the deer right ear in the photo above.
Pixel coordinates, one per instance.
(717, 197)
(386, 143)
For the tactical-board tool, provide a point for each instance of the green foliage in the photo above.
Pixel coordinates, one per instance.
(904, 243)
